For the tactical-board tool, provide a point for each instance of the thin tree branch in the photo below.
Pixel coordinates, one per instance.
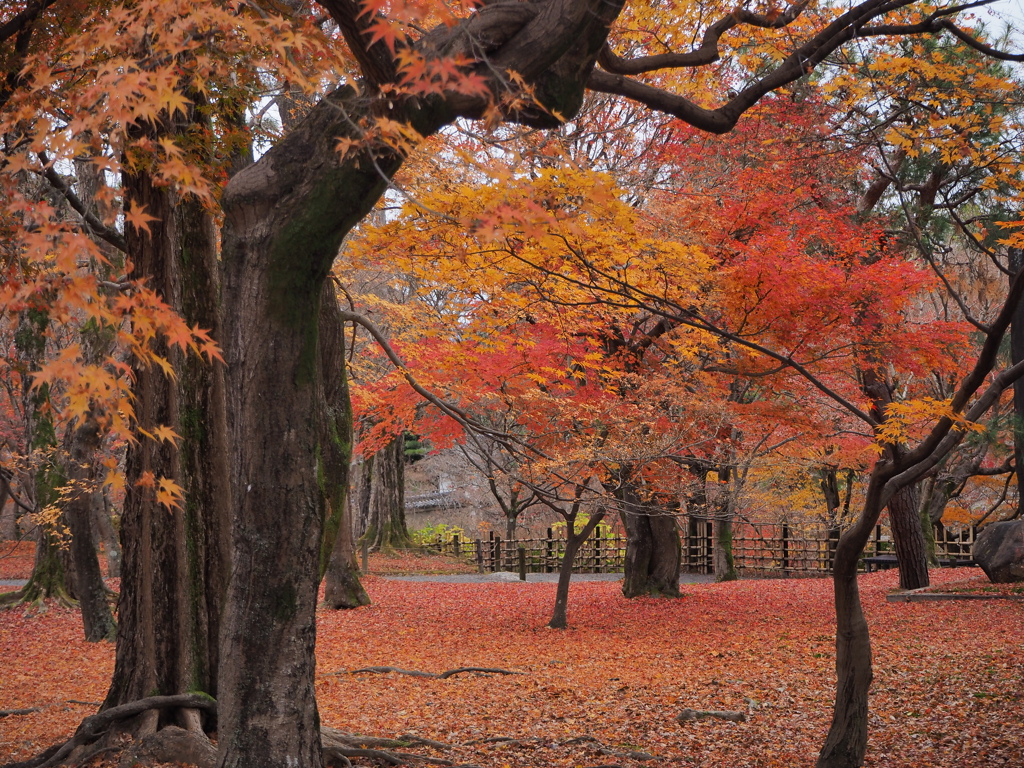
(93, 224)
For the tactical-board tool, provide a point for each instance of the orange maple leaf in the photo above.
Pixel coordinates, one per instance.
(138, 218)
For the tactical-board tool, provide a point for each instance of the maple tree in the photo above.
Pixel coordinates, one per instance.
(153, 91)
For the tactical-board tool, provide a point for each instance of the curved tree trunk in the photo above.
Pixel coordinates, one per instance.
(560, 615)
(285, 218)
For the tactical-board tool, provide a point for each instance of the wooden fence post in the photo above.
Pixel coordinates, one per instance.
(522, 563)
(785, 547)
(479, 556)
(549, 553)
(455, 544)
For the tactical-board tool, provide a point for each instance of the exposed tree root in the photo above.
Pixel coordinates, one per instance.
(29, 711)
(35, 596)
(94, 726)
(174, 744)
(441, 676)
(699, 714)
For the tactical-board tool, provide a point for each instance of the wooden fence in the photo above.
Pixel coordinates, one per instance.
(766, 548)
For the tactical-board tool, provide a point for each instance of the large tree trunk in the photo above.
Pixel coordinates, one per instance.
(174, 567)
(337, 552)
(386, 528)
(1016, 263)
(653, 549)
(285, 218)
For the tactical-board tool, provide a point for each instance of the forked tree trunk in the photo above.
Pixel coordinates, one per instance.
(653, 549)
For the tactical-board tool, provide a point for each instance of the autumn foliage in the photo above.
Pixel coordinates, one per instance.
(946, 689)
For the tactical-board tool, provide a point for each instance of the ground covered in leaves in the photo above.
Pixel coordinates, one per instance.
(949, 677)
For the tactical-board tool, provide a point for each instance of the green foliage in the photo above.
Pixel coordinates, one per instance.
(429, 535)
(603, 530)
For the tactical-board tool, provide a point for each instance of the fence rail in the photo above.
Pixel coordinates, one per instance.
(765, 548)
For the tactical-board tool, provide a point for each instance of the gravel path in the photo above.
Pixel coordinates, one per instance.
(504, 576)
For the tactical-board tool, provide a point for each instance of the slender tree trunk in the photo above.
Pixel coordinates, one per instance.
(848, 735)
(361, 490)
(723, 562)
(107, 535)
(573, 542)
(84, 442)
(337, 552)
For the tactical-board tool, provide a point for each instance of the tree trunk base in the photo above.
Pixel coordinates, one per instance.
(35, 595)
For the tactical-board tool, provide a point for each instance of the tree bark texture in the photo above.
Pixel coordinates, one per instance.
(904, 520)
(1016, 263)
(83, 443)
(337, 551)
(653, 549)
(908, 539)
(174, 561)
(386, 528)
(573, 542)
(285, 218)
(105, 532)
(848, 735)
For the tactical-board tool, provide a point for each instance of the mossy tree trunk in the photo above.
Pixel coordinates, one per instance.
(284, 220)
(386, 527)
(49, 577)
(723, 561)
(653, 549)
(342, 588)
(174, 568)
